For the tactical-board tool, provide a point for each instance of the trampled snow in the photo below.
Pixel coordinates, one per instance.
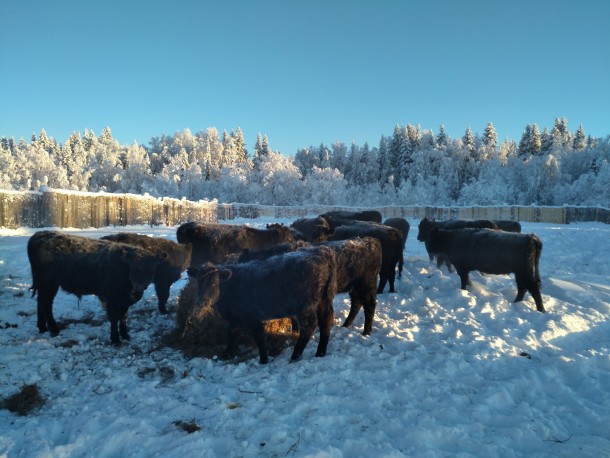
(445, 372)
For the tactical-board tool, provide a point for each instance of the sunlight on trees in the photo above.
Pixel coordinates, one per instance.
(412, 167)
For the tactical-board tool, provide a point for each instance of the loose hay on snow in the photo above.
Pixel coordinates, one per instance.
(203, 332)
(25, 401)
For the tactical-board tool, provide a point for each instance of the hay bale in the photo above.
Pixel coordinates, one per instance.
(202, 331)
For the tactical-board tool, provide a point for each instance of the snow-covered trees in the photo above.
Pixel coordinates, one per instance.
(411, 167)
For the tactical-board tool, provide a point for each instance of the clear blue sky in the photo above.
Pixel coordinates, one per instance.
(302, 72)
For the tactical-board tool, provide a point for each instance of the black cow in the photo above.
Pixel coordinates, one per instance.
(403, 226)
(426, 226)
(116, 273)
(169, 271)
(217, 243)
(299, 285)
(311, 229)
(358, 264)
(493, 252)
(391, 246)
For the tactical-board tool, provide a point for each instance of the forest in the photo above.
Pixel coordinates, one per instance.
(411, 167)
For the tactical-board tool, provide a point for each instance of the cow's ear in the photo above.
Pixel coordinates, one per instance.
(225, 274)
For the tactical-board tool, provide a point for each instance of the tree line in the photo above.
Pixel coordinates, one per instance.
(411, 167)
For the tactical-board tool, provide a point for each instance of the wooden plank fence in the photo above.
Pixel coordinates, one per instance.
(55, 208)
(64, 209)
(558, 215)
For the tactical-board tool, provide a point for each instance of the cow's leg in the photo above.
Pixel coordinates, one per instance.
(326, 317)
(391, 278)
(463, 278)
(46, 321)
(162, 290)
(307, 326)
(521, 288)
(383, 279)
(233, 336)
(442, 259)
(401, 262)
(114, 316)
(356, 304)
(258, 332)
(123, 325)
(370, 304)
(534, 289)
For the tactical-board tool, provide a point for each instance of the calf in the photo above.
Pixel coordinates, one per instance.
(299, 285)
(311, 229)
(116, 273)
(403, 226)
(178, 258)
(391, 246)
(426, 226)
(217, 243)
(493, 252)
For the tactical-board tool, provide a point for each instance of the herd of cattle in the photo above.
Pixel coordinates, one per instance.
(255, 275)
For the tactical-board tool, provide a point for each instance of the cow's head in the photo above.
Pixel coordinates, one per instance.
(284, 234)
(425, 226)
(209, 278)
(142, 265)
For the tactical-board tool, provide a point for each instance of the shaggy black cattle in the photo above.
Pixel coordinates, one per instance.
(217, 243)
(311, 229)
(493, 252)
(508, 225)
(170, 270)
(426, 226)
(403, 226)
(334, 217)
(116, 273)
(391, 246)
(299, 285)
(358, 264)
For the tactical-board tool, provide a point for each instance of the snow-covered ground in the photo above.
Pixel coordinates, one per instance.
(445, 372)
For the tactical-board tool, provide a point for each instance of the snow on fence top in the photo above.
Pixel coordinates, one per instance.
(57, 208)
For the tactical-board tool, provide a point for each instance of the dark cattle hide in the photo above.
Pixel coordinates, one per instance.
(391, 246)
(299, 285)
(311, 229)
(493, 252)
(508, 225)
(169, 271)
(334, 217)
(116, 273)
(257, 255)
(358, 265)
(217, 243)
(426, 226)
(403, 226)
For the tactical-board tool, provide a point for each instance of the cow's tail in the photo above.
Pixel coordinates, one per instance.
(537, 253)
(34, 287)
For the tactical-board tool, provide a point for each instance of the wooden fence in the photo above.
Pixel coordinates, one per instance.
(559, 215)
(55, 208)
